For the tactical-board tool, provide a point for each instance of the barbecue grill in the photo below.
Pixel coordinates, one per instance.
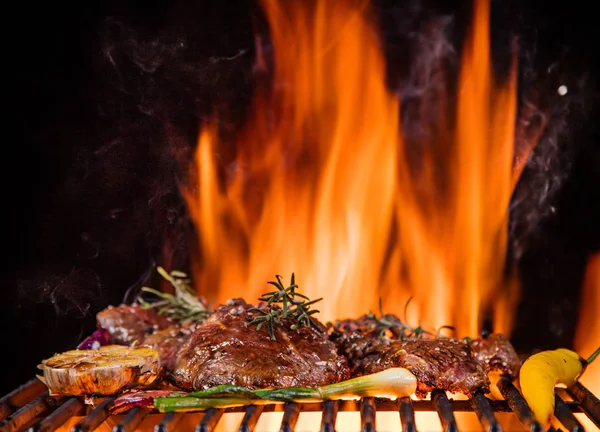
(31, 407)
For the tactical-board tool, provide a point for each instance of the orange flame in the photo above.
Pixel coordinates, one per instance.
(322, 185)
(587, 336)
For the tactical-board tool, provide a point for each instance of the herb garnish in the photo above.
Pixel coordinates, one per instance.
(285, 303)
(183, 306)
(401, 330)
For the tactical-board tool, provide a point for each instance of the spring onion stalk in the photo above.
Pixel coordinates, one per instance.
(390, 383)
(183, 404)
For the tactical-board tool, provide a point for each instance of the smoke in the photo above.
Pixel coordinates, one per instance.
(114, 210)
(551, 162)
(153, 86)
(64, 292)
(423, 44)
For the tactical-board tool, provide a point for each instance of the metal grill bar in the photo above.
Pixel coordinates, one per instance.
(290, 417)
(330, 410)
(444, 410)
(565, 416)
(367, 415)
(251, 418)
(589, 403)
(42, 413)
(407, 415)
(71, 408)
(210, 420)
(132, 420)
(96, 417)
(20, 396)
(24, 416)
(518, 405)
(485, 412)
(169, 422)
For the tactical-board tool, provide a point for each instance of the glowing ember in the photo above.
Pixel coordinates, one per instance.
(322, 185)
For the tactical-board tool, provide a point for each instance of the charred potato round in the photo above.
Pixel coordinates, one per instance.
(104, 371)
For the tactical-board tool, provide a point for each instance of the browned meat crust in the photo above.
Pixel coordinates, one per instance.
(498, 354)
(128, 324)
(168, 342)
(225, 349)
(443, 363)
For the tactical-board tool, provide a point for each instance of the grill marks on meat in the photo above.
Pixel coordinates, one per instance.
(225, 349)
(446, 363)
(128, 324)
(443, 363)
(169, 341)
(498, 354)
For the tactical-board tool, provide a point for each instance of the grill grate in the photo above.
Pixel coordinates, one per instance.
(31, 407)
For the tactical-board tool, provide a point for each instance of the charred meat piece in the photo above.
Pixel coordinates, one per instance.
(498, 354)
(128, 324)
(443, 363)
(357, 344)
(226, 349)
(369, 325)
(168, 342)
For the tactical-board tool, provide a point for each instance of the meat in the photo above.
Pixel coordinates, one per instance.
(226, 349)
(168, 342)
(443, 363)
(498, 354)
(128, 324)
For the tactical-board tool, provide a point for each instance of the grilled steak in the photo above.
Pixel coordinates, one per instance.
(443, 363)
(498, 354)
(226, 349)
(168, 342)
(128, 324)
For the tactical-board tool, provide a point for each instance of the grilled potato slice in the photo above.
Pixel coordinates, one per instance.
(104, 371)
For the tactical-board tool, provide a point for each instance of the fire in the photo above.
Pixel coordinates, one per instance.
(322, 185)
(587, 337)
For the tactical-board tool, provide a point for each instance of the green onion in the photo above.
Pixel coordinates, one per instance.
(391, 383)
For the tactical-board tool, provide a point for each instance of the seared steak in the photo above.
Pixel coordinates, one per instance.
(169, 341)
(498, 354)
(226, 349)
(442, 363)
(445, 363)
(128, 324)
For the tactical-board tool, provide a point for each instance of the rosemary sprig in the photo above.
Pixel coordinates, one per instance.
(183, 306)
(285, 304)
(400, 329)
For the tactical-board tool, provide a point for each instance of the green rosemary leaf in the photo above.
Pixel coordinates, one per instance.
(385, 324)
(286, 304)
(183, 305)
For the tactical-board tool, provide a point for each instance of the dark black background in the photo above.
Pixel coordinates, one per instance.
(83, 192)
